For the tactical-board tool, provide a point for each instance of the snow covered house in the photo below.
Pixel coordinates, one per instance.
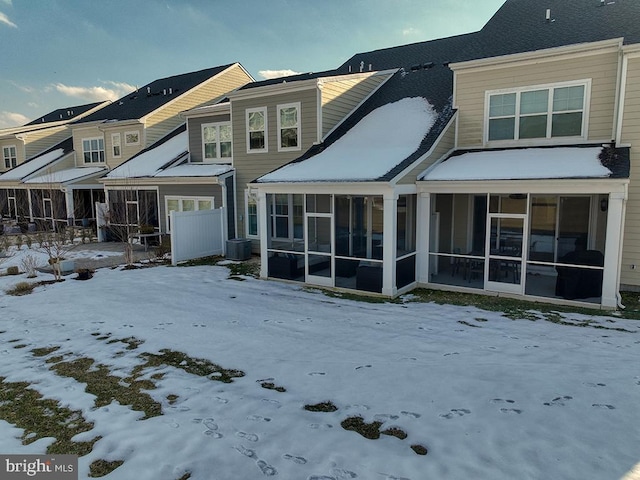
(514, 176)
(104, 139)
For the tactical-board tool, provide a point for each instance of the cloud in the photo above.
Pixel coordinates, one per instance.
(97, 93)
(269, 74)
(8, 2)
(4, 19)
(411, 32)
(12, 119)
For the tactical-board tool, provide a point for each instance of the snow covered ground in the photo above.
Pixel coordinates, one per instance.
(491, 398)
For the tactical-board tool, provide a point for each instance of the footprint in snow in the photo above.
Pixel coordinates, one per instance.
(314, 374)
(247, 452)
(212, 434)
(410, 414)
(589, 384)
(451, 353)
(511, 410)
(363, 366)
(393, 477)
(501, 400)
(210, 424)
(320, 426)
(258, 418)
(295, 459)
(321, 477)
(383, 417)
(221, 400)
(251, 437)
(266, 469)
(343, 474)
(455, 412)
(602, 405)
(275, 403)
(358, 406)
(558, 401)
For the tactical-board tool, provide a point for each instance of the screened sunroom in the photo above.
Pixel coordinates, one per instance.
(553, 239)
(357, 241)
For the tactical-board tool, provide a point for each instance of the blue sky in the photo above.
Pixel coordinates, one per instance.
(59, 53)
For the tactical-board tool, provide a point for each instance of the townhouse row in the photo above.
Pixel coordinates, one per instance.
(500, 161)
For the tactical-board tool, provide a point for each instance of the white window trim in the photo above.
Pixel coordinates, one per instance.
(266, 130)
(251, 196)
(218, 158)
(298, 126)
(115, 136)
(88, 139)
(548, 139)
(131, 132)
(9, 157)
(180, 199)
(290, 217)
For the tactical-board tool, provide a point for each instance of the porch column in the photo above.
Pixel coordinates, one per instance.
(390, 216)
(423, 224)
(31, 217)
(68, 197)
(263, 231)
(613, 245)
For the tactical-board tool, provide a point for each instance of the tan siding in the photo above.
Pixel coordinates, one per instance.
(471, 87)
(20, 148)
(126, 151)
(446, 143)
(341, 97)
(250, 166)
(41, 140)
(631, 135)
(166, 119)
(81, 133)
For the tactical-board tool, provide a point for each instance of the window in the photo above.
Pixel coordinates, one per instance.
(252, 217)
(115, 145)
(132, 138)
(289, 127)
(10, 156)
(257, 130)
(287, 216)
(186, 204)
(216, 141)
(93, 150)
(537, 113)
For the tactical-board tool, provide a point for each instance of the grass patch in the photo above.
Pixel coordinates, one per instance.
(172, 399)
(21, 288)
(43, 352)
(419, 449)
(352, 296)
(21, 345)
(100, 468)
(199, 262)
(106, 388)
(516, 309)
(195, 366)
(395, 432)
(248, 269)
(131, 342)
(358, 425)
(273, 386)
(41, 418)
(327, 407)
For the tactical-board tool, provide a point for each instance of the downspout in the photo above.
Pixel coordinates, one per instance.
(617, 105)
(624, 214)
(623, 88)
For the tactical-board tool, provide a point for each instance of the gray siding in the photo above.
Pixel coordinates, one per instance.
(250, 166)
(194, 126)
(194, 190)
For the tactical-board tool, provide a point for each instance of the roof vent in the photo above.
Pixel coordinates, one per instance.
(60, 115)
(369, 67)
(170, 91)
(426, 65)
(164, 91)
(361, 67)
(148, 90)
(349, 68)
(415, 67)
(548, 16)
(120, 102)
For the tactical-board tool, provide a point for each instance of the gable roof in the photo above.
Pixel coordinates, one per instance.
(521, 25)
(152, 96)
(68, 113)
(45, 159)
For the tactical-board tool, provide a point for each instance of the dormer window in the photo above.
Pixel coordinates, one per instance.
(216, 142)
(537, 112)
(10, 156)
(93, 150)
(132, 138)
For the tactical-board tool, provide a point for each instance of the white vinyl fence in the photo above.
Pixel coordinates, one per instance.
(197, 234)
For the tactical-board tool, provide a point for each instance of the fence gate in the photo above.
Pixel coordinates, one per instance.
(197, 234)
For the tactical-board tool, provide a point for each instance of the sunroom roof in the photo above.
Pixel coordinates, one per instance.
(374, 146)
(521, 164)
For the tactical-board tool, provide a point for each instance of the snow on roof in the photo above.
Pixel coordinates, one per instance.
(68, 175)
(195, 170)
(25, 169)
(149, 162)
(514, 164)
(379, 142)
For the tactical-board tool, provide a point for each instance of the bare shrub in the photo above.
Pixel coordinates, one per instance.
(30, 265)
